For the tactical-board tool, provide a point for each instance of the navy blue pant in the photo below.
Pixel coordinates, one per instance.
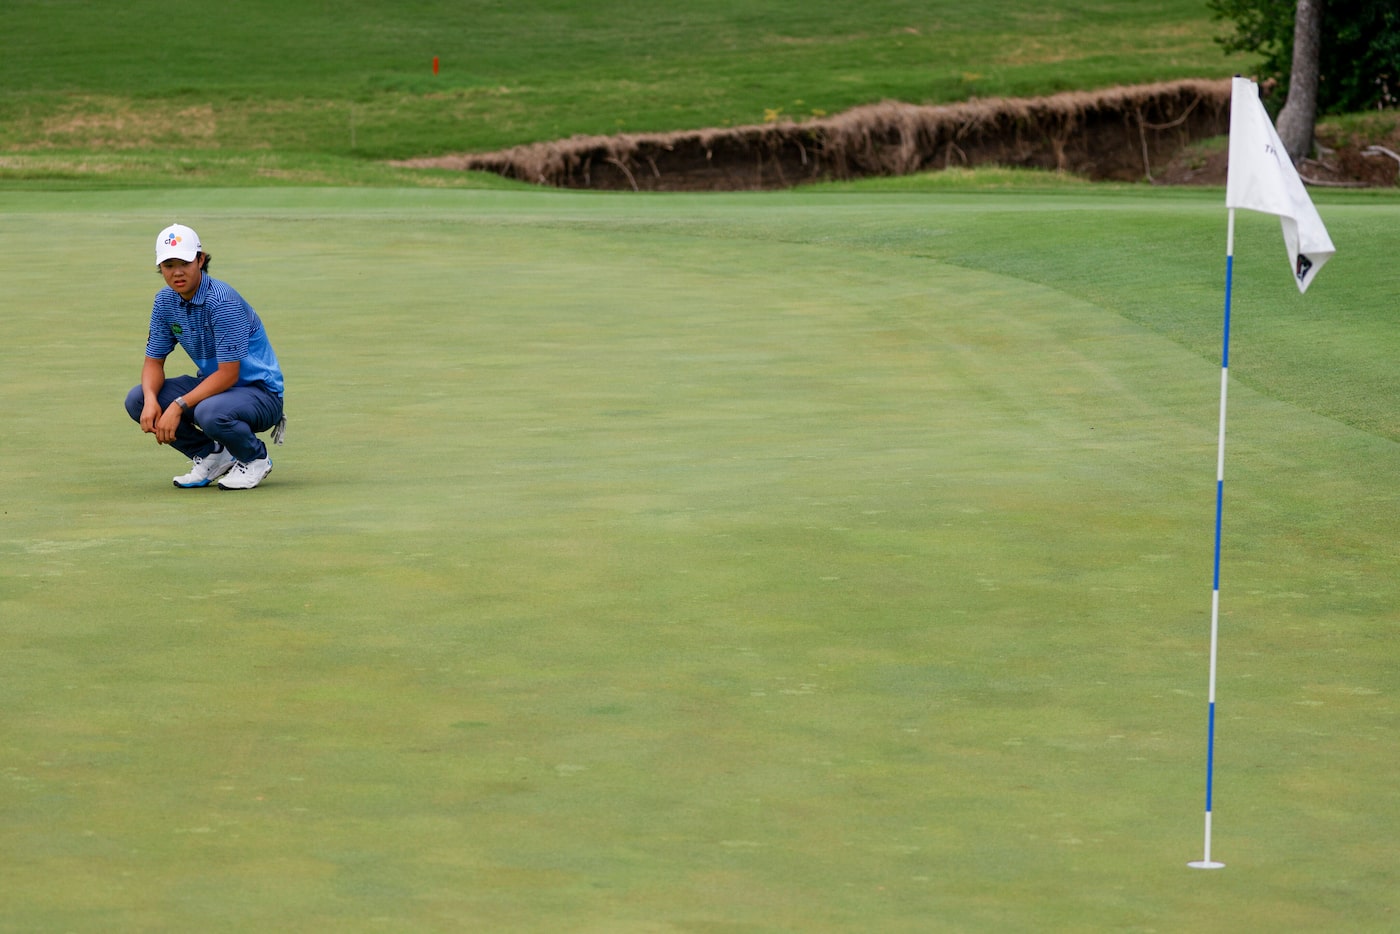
(232, 418)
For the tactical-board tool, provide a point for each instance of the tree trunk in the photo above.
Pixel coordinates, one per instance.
(1298, 119)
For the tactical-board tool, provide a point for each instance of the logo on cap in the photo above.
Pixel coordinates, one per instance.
(171, 239)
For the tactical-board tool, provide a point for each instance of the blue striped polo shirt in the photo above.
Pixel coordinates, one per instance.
(216, 326)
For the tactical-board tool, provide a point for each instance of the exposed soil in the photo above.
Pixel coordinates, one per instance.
(1343, 160)
(1148, 132)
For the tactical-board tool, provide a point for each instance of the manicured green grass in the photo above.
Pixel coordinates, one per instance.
(799, 562)
(250, 91)
(829, 561)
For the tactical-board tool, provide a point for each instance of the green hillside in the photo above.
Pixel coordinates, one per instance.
(260, 92)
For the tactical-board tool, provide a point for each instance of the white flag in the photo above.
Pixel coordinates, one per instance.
(1262, 178)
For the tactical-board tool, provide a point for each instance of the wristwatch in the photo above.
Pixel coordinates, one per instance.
(180, 401)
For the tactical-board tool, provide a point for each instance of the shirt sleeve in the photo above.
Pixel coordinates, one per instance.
(159, 339)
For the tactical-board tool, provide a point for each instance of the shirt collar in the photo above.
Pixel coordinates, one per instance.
(200, 293)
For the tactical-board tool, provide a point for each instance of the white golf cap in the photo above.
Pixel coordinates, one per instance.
(177, 242)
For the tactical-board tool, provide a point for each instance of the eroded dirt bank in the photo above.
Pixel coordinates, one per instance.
(1121, 134)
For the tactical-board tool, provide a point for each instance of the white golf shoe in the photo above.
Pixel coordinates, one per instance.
(205, 470)
(246, 476)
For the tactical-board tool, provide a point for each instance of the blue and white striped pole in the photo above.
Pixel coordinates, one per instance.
(1205, 862)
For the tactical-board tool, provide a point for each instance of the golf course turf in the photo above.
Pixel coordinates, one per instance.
(809, 561)
(826, 560)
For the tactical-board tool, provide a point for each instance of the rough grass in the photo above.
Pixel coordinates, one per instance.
(150, 169)
(358, 86)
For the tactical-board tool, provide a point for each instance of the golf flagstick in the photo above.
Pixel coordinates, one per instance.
(1205, 862)
(1260, 177)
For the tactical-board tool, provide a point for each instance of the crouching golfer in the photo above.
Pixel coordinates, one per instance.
(213, 418)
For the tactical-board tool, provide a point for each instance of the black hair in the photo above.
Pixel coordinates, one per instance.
(203, 265)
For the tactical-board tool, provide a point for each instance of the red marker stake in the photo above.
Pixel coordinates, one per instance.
(435, 64)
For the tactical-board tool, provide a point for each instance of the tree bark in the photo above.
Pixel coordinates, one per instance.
(1298, 119)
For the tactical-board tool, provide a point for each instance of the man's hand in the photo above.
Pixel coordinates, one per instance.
(166, 425)
(152, 378)
(149, 413)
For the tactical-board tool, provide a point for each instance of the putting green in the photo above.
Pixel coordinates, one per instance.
(742, 563)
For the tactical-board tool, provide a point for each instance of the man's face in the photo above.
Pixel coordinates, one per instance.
(182, 275)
